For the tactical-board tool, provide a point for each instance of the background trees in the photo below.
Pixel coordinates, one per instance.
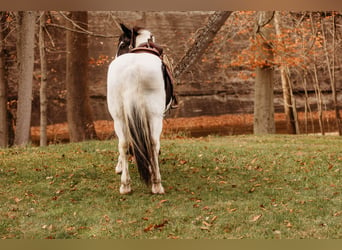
(301, 48)
(24, 23)
(299, 57)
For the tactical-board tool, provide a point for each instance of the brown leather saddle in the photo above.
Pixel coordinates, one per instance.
(152, 48)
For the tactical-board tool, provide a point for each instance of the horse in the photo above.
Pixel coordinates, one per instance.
(137, 99)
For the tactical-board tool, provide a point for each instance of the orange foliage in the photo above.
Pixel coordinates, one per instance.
(296, 47)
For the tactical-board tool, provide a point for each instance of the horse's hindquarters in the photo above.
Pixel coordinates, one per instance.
(136, 101)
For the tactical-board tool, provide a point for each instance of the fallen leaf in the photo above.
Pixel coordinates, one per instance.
(162, 201)
(70, 229)
(289, 225)
(59, 191)
(337, 214)
(17, 200)
(156, 226)
(230, 210)
(106, 217)
(148, 228)
(173, 237)
(256, 218)
(161, 225)
(213, 219)
(206, 223)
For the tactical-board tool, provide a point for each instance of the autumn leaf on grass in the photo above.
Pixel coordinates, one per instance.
(182, 162)
(254, 160)
(156, 226)
(163, 201)
(149, 228)
(256, 218)
(205, 228)
(17, 200)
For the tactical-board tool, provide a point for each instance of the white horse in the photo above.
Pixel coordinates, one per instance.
(136, 100)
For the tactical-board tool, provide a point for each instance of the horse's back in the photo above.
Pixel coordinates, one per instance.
(132, 77)
(129, 67)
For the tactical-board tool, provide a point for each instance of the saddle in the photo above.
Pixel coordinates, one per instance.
(152, 48)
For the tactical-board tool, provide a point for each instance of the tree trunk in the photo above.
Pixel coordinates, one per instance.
(289, 107)
(80, 122)
(43, 82)
(25, 49)
(331, 70)
(317, 87)
(3, 89)
(263, 101)
(204, 37)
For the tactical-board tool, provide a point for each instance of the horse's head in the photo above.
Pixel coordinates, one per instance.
(131, 38)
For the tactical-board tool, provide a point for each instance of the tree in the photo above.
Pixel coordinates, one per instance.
(202, 41)
(3, 87)
(25, 50)
(331, 69)
(79, 117)
(43, 82)
(263, 101)
(289, 102)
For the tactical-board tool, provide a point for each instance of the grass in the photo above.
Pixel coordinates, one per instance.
(238, 187)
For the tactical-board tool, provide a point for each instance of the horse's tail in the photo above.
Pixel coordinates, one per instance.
(139, 131)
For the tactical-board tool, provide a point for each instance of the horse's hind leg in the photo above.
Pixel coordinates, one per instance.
(157, 187)
(122, 166)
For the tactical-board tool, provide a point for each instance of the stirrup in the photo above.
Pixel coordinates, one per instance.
(174, 106)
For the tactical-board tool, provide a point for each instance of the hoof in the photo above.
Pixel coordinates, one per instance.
(125, 189)
(157, 189)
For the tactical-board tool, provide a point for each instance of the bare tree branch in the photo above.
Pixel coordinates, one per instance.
(202, 40)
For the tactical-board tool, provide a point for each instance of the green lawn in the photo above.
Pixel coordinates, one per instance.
(238, 187)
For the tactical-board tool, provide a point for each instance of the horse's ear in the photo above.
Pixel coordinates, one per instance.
(125, 30)
(136, 30)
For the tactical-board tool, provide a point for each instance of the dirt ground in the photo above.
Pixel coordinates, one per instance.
(199, 126)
